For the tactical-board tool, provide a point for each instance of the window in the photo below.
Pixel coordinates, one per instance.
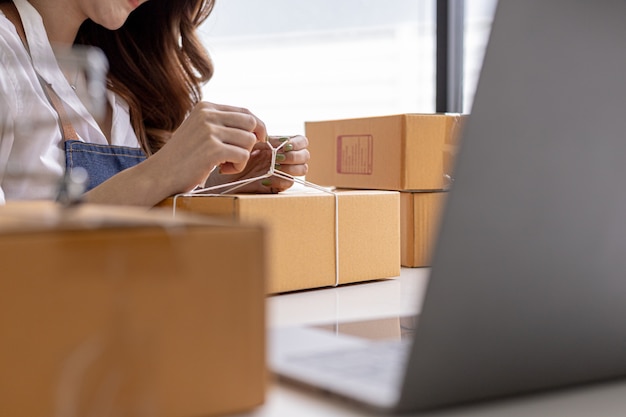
(478, 18)
(291, 61)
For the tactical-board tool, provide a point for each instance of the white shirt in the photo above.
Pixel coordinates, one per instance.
(32, 156)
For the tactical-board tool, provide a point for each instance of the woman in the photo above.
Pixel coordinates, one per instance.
(157, 66)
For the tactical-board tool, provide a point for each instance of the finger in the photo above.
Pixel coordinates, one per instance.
(262, 146)
(225, 107)
(233, 159)
(252, 123)
(260, 130)
(235, 120)
(294, 170)
(275, 185)
(276, 141)
(289, 143)
(300, 142)
(293, 157)
(236, 137)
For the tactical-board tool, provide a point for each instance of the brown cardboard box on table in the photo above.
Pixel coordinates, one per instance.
(300, 229)
(399, 152)
(420, 214)
(109, 311)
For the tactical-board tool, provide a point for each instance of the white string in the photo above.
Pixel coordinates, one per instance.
(273, 172)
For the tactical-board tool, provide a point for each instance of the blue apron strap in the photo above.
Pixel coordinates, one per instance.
(100, 161)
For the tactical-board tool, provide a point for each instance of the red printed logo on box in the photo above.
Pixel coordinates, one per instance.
(355, 154)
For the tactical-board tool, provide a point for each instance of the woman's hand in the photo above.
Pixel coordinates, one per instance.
(292, 159)
(211, 135)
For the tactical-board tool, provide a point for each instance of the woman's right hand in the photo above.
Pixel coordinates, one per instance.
(211, 135)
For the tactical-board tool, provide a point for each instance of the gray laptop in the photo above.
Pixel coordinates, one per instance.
(528, 286)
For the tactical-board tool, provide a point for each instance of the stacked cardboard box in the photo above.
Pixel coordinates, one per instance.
(315, 239)
(108, 311)
(410, 153)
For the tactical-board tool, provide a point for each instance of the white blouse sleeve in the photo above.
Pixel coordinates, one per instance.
(7, 124)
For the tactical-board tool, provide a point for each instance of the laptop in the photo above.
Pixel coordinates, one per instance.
(527, 290)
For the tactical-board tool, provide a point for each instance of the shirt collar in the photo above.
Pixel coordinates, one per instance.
(45, 62)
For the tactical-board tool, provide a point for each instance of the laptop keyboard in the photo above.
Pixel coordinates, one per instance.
(378, 363)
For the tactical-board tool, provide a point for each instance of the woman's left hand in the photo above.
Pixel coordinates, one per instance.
(292, 159)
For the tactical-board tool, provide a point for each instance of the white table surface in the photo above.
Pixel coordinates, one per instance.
(401, 297)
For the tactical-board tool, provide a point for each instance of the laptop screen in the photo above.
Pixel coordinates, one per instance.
(527, 289)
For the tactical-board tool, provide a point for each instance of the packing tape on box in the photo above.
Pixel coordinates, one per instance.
(272, 172)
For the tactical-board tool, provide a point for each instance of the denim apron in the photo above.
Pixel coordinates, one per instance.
(100, 161)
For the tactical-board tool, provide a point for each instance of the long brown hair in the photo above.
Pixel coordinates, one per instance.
(157, 64)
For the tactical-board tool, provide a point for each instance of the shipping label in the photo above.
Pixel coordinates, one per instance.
(355, 154)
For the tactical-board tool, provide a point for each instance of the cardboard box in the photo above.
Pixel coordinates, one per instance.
(108, 311)
(420, 214)
(300, 228)
(400, 152)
